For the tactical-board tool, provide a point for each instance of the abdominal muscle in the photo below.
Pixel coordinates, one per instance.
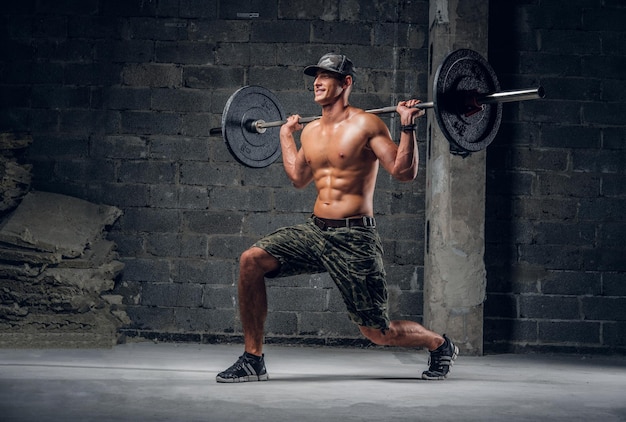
(343, 195)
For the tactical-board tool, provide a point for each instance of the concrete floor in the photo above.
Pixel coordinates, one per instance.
(176, 382)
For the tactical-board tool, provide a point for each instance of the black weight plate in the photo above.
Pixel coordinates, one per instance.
(462, 72)
(246, 105)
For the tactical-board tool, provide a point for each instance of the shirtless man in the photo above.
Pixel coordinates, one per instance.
(340, 153)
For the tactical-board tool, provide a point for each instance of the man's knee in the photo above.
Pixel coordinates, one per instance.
(375, 335)
(257, 260)
(247, 258)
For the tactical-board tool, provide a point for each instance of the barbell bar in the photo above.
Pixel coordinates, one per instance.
(473, 101)
(468, 108)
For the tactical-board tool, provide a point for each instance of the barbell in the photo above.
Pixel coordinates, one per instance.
(467, 106)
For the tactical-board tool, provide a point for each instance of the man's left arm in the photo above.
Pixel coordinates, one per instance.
(401, 160)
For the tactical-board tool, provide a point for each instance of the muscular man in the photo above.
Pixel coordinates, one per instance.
(340, 153)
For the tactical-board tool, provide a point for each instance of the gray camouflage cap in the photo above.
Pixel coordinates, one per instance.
(336, 63)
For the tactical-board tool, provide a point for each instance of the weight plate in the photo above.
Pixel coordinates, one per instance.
(245, 106)
(466, 73)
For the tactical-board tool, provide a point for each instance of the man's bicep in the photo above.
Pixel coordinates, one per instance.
(385, 150)
(303, 172)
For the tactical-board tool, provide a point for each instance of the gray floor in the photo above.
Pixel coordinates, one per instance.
(169, 382)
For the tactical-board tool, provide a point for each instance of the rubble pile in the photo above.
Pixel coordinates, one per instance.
(57, 271)
(15, 176)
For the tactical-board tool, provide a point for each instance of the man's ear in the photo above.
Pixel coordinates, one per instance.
(347, 80)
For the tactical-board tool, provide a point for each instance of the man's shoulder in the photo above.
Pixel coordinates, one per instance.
(368, 121)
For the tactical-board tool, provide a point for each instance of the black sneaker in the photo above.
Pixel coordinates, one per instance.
(247, 368)
(441, 360)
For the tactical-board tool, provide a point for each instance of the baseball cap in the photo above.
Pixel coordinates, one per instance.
(337, 63)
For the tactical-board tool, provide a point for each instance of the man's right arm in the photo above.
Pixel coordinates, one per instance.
(295, 164)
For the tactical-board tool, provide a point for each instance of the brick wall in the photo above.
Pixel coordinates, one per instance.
(120, 96)
(555, 216)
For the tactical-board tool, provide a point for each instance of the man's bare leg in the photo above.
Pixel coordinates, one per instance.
(253, 266)
(250, 366)
(404, 334)
(443, 352)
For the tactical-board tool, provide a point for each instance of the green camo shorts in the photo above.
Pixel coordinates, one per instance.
(352, 257)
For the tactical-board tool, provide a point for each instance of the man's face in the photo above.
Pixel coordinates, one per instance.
(328, 86)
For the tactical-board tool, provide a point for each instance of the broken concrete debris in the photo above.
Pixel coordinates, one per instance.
(57, 273)
(15, 175)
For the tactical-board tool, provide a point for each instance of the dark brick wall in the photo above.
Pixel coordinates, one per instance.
(120, 96)
(556, 220)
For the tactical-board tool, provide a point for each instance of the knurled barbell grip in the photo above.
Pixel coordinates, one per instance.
(260, 124)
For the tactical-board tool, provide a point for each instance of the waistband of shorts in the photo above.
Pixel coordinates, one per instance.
(329, 223)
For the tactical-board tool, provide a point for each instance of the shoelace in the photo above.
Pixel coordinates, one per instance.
(245, 364)
(438, 360)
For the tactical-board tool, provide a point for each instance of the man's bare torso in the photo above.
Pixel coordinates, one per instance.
(343, 165)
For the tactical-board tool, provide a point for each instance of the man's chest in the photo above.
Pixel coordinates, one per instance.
(335, 149)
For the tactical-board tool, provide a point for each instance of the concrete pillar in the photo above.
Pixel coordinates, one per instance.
(455, 276)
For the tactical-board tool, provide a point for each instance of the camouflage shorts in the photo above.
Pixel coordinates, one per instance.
(352, 257)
